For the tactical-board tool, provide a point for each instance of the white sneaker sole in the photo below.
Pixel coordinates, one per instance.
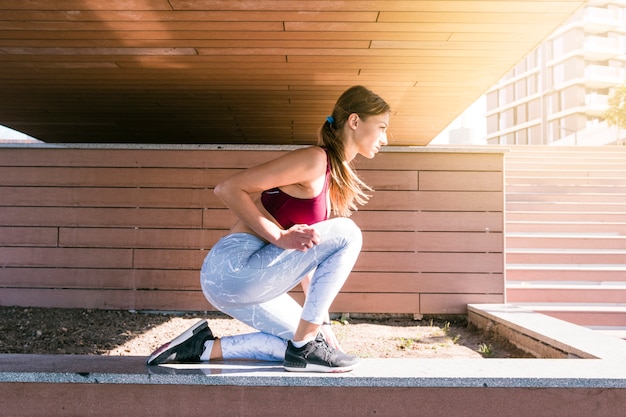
(310, 367)
(199, 326)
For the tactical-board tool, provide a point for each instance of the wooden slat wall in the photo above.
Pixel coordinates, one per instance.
(128, 228)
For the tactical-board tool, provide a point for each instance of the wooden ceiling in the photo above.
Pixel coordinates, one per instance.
(257, 71)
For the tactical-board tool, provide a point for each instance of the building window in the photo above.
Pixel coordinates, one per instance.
(520, 89)
(507, 93)
(558, 75)
(509, 139)
(532, 84)
(534, 109)
(492, 100)
(492, 123)
(521, 137)
(520, 113)
(507, 119)
(534, 135)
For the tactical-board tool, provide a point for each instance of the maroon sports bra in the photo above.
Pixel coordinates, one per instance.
(288, 210)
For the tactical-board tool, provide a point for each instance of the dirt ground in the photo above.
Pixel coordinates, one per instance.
(127, 333)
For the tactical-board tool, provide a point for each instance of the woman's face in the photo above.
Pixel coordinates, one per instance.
(370, 134)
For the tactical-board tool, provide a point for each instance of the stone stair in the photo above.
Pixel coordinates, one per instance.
(566, 233)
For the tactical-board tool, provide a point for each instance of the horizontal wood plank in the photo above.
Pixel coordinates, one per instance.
(111, 217)
(92, 278)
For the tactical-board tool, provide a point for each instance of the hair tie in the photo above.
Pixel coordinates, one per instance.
(330, 119)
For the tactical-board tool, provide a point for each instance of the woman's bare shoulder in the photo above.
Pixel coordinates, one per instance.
(311, 156)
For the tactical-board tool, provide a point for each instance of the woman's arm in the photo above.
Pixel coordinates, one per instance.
(298, 168)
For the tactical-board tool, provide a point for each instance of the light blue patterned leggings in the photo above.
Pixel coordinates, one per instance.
(248, 279)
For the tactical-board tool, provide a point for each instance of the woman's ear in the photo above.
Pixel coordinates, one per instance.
(353, 121)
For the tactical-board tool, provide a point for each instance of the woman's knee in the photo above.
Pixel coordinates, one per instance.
(346, 228)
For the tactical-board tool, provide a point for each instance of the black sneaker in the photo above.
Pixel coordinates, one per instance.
(186, 348)
(317, 356)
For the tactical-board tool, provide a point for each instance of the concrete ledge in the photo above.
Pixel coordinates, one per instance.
(545, 336)
(450, 373)
(42, 385)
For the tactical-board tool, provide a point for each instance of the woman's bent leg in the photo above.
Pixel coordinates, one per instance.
(249, 279)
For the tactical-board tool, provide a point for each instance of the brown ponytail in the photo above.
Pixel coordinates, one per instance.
(346, 188)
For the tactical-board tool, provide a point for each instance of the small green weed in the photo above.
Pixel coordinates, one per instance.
(406, 343)
(485, 349)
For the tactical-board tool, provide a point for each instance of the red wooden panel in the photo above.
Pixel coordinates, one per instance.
(113, 177)
(25, 277)
(66, 257)
(455, 303)
(108, 197)
(139, 238)
(172, 301)
(460, 181)
(432, 241)
(168, 259)
(390, 180)
(430, 262)
(420, 282)
(397, 303)
(441, 221)
(218, 219)
(460, 201)
(68, 298)
(349, 399)
(433, 161)
(143, 279)
(212, 157)
(28, 236)
(436, 201)
(107, 217)
(106, 299)
(376, 302)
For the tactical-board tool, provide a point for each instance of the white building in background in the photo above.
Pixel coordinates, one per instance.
(468, 128)
(558, 93)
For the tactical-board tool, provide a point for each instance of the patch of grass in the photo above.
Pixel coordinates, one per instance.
(405, 343)
(485, 349)
(344, 319)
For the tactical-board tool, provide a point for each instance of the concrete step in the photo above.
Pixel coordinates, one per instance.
(613, 331)
(566, 232)
(572, 227)
(529, 273)
(597, 316)
(566, 256)
(566, 150)
(543, 240)
(570, 216)
(536, 171)
(565, 292)
(516, 180)
(597, 208)
(533, 331)
(614, 169)
(569, 187)
(561, 197)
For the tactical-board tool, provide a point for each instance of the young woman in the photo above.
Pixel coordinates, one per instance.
(285, 238)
